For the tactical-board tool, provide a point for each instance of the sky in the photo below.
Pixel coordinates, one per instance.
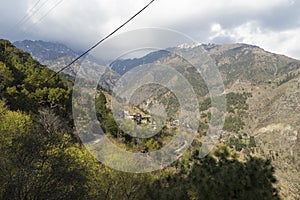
(273, 25)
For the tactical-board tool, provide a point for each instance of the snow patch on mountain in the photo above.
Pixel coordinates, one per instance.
(189, 45)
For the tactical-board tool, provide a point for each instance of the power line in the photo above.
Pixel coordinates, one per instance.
(50, 10)
(100, 41)
(47, 13)
(31, 13)
(30, 10)
(28, 14)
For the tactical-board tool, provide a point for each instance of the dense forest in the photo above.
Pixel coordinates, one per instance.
(43, 158)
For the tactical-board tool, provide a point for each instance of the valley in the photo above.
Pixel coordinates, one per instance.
(260, 132)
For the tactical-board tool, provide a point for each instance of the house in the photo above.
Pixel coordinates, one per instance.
(137, 117)
(126, 114)
(145, 120)
(174, 122)
(153, 122)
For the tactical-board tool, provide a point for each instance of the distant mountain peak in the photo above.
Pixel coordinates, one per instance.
(189, 45)
(43, 51)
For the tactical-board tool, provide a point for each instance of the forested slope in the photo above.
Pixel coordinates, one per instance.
(42, 158)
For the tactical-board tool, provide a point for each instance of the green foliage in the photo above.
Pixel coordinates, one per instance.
(105, 116)
(237, 143)
(38, 162)
(236, 105)
(237, 101)
(152, 144)
(242, 142)
(100, 106)
(205, 104)
(252, 142)
(202, 127)
(41, 157)
(219, 178)
(6, 76)
(23, 82)
(58, 96)
(122, 185)
(111, 126)
(12, 124)
(222, 152)
(234, 101)
(233, 123)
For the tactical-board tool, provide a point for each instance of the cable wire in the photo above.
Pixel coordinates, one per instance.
(100, 41)
(45, 15)
(30, 13)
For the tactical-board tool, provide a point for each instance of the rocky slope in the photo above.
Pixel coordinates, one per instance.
(273, 81)
(56, 56)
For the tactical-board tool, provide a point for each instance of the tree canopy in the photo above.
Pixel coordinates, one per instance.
(42, 158)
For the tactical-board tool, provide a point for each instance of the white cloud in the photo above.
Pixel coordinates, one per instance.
(283, 42)
(216, 28)
(80, 23)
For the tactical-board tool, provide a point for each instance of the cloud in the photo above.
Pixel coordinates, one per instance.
(273, 24)
(282, 42)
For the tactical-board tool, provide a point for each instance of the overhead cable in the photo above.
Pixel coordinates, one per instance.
(100, 41)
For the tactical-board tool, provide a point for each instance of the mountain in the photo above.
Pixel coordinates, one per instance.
(235, 62)
(273, 118)
(45, 51)
(244, 62)
(42, 158)
(262, 90)
(122, 66)
(273, 83)
(56, 55)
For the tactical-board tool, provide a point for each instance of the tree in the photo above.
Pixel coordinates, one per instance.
(152, 144)
(233, 123)
(100, 106)
(252, 142)
(23, 85)
(6, 77)
(219, 177)
(39, 161)
(111, 126)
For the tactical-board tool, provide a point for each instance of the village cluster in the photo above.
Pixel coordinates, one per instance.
(146, 119)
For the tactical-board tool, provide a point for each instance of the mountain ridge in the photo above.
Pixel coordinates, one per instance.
(273, 113)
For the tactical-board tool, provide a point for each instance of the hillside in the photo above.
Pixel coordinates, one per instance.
(261, 90)
(56, 55)
(243, 62)
(251, 64)
(273, 114)
(238, 63)
(45, 51)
